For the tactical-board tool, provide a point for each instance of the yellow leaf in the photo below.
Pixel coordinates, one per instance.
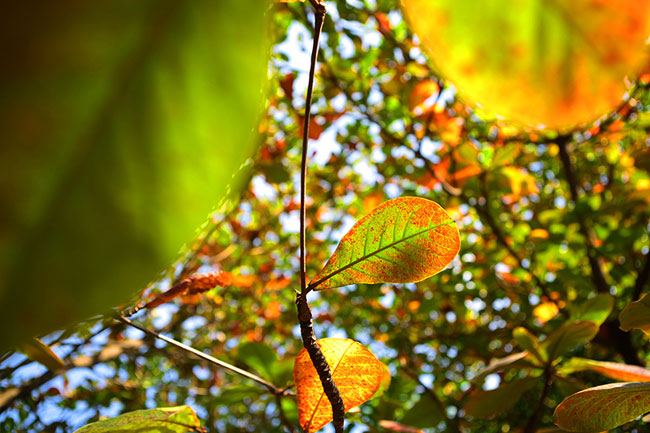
(38, 351)
(357, 373)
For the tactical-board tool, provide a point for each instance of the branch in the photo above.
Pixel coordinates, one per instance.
(597, 274)
(531, 426)
(272, 388)
(642, 278)
(304, 313)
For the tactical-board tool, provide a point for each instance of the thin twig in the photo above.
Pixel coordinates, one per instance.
(212, 360)
(531, 426)
(304, 313)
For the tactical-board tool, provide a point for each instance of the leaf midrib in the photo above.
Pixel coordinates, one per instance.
(312, 286)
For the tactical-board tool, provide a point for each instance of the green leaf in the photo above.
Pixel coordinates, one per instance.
(403, 240)
(179, 419)
(595, 309)
(613, 370)
(578, 52)
(259, 357)
(424, 414)
(121, 143)
(487, 404)
(528, 342)
(500, 364)
(38, 351)
(568, 337)
(603, 407)
(636, 315)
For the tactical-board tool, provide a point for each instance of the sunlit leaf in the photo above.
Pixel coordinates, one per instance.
(403, 240)
(179, 419)
(636, 315)
(487, 404)
(38, 351)
(357, 373)
(596, 309)
(613, 370)
(385, 381)
(579, 52)
(193, 285)
(603, 407)
(568, 337)
(397, 427)
(124, 124)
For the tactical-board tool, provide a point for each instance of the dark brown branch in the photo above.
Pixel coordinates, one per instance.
(597, 274)
(533, 421)
(304, 313)
(642, 278)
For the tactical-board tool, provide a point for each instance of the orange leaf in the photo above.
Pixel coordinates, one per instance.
(404, 240)
(423, 97)
(355, 370)
(197, 283)
(397, 427)
(613, 370)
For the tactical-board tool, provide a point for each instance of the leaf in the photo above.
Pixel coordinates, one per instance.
(397, 427)
(385, 381)
(568, 337)
(603, 407)
(636, 315)
(357, 373)
(500, 365)
(258, 356)
(195, 284)
(403, 240)
(38, 351)
(425, 413)
(613, 370)
(177, 419)
(580, 52)
(487, 404)
(595, 309)
(121, 149)
(528, 342)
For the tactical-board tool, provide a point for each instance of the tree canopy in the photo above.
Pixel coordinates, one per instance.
(554, 233)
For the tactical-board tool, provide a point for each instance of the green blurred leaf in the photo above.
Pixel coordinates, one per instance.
(259, 357)
(528, 342)
(424, 414)
(568, 337)
(501, 364)
(124, 123)
(179, 419)
(603, 407)
(595, 309)
(486, 404)
(636, 315)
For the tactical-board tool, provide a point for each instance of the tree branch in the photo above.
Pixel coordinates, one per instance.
(272, 388)
(531, 426)
(304, 313)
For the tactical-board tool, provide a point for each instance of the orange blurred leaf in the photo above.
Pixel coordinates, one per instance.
(397, 427)
(423, 97)
(355, 370)
(613, 370)
(197, 283)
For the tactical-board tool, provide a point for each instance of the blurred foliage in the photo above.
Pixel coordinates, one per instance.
(545, 219)
(122, 125)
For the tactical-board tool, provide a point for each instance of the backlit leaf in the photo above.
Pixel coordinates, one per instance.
(603, 407)
(404, 240)
(568, 337)
(179, 419)
(596, 309)
(486, 404)
(193, 285)
(357, 373)
(527, 341)
(500, 364)
(613, 370)
(636, 315)
(385, 381)
(397, 427)
(38, 351)
(579, 52)
(545, 311)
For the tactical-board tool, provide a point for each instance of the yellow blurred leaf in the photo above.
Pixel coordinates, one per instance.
(546, 311)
